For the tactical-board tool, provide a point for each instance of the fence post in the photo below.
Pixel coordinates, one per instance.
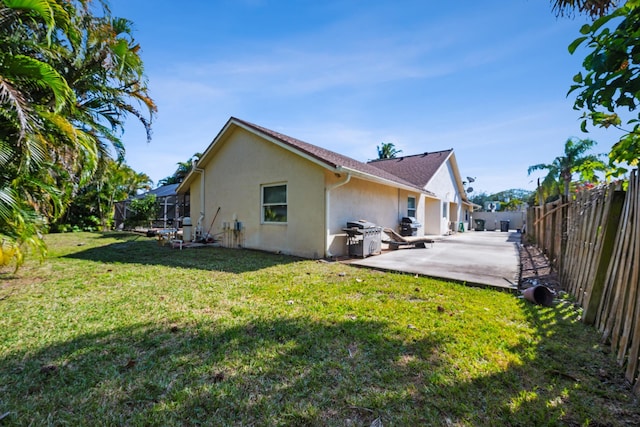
(608, 243)
(564, 231)
(540, 227)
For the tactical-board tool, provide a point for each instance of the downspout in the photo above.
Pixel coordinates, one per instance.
(327, 197)
(202, 210)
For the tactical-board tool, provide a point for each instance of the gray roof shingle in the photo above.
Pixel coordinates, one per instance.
(329, 157)
(417, 169)
(164, 191)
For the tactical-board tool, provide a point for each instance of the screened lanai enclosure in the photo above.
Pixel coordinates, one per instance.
(171, 208)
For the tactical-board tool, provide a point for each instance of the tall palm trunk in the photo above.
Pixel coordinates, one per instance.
(566, 179)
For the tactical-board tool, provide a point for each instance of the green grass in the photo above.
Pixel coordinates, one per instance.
(115, 330)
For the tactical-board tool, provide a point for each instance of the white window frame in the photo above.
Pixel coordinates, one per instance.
(411, 211)
(264, 205)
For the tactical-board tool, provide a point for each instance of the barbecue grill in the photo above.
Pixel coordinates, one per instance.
(409, 226)
(364, 238)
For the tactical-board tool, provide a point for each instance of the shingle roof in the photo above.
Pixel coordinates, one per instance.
(164, 191)
(417, 169)
(330, 158)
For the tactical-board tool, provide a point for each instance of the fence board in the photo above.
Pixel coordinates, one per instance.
(632, 335)
(594, 244)
(611, 218)
(608, 306)
(593, 238)
(614, 277)
(625, 320)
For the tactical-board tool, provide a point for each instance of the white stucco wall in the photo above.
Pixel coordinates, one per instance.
(443, 185)
(235, 171)
(240, 163)
(359, 199)
(432, 214)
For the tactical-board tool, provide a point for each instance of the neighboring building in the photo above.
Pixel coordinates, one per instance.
(492, 205)
(170, 207)
(264, 190)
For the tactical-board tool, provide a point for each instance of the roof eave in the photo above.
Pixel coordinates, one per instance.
(380, 180)
(314, 159)
(324, 163)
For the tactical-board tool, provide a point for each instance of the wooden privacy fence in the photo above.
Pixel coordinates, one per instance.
(593, 242)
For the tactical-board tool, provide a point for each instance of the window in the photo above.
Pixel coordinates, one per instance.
(411, 206)
(274, 203)
(445, 210)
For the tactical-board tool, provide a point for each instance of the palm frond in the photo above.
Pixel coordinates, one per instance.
(592, 8)
(23, 68)
(12, 98)
(44, 9)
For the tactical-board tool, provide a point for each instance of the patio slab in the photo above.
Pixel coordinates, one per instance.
(487, 258)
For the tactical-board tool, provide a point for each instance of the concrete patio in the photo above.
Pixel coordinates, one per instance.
(488, 258)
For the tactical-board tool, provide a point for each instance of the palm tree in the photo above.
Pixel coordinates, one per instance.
(107, 74)
(33, 98)
(68, 80)
(116, 182)
(387, 151)
(574, 160)
(92, 205)
(181, 172)
(593, 8)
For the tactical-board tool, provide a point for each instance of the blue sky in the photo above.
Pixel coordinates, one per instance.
(486, 78)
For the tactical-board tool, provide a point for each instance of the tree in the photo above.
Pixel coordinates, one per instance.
(574, 160)
(143, 211)
(480, 198)
(610, 84)
(512, 205)
(68, 80)
(387, 151)
(509, 199)
(33, 99)
(181, 173)
(593, 8)
(512, 194)
(93, 206)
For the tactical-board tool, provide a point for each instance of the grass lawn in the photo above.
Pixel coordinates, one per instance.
(115, 330)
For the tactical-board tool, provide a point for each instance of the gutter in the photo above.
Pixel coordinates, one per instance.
(327, 204)
(380, 180)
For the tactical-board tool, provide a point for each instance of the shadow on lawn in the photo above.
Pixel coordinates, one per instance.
(575, 369)
(137, 249)
(276, 372)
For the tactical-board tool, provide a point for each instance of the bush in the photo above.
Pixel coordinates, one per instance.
(142, 212)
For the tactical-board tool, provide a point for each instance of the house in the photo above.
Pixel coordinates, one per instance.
(260, 189)
(437, 174)
(170, 208)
